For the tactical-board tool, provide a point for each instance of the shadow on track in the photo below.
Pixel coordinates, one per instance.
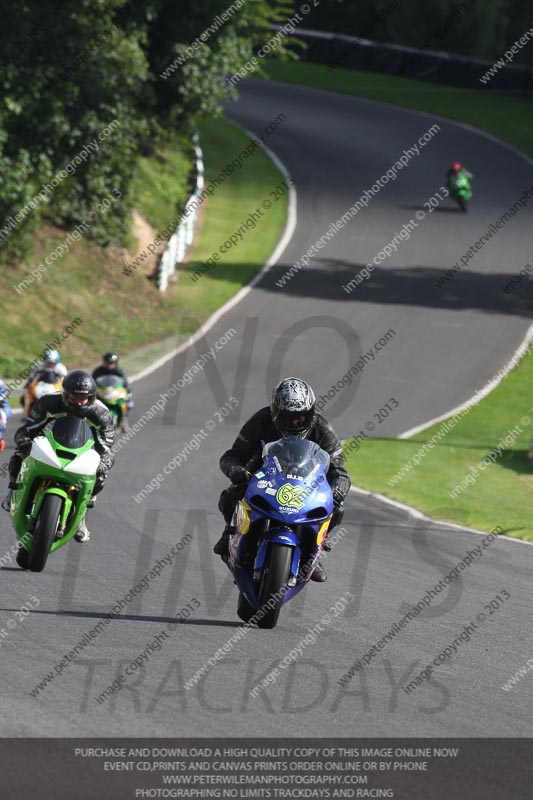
(132, 617)
(438, 209)
(404, 286)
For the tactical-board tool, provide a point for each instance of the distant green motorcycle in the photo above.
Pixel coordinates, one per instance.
(111, 390)
(460, 190)
(54, 486)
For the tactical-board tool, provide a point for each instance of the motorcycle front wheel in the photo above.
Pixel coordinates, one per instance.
(276, 574)
(45, 532)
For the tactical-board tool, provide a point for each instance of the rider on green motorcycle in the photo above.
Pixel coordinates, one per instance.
(110, 366)
(77, 397)
(457, 172)
(458, 179)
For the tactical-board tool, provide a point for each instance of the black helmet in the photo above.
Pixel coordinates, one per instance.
(79, 392)
(293, 407)
(110, 359)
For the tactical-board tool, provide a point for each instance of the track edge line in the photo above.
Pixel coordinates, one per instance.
(414, 512)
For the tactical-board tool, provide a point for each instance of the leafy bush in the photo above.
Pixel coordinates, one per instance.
(71, 69)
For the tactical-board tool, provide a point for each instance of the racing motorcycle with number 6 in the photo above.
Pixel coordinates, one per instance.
(281, 524)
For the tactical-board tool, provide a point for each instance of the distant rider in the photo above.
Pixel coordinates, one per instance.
(78, 397)
(110, 366)
(51, 362)
(292, 412)
(456, 170)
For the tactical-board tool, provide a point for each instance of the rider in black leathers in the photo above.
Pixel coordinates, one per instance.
(110, 366)
(291, 412)
(78, 397)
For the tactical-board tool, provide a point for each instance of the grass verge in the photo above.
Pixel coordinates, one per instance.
(499, 493)
(160, 184)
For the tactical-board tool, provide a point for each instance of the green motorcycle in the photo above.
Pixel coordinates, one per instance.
(54, 486)
(460, 190)
(111, 390)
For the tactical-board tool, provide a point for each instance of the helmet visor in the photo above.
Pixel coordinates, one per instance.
(294, 422)
(79, 399)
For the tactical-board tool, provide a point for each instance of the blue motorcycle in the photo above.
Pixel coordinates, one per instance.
(5, 413)
(281, 524)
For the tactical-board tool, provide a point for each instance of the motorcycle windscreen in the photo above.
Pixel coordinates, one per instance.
(46, 383)
(296, 457)
(71, 432)
(110, 382)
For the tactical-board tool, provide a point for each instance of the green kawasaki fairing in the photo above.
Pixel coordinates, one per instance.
(112, 391)
(55, 484)
(460, 189)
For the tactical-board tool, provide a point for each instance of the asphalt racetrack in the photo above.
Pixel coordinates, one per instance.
(447, 342)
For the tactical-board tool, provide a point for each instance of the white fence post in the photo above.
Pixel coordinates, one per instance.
(183, 236)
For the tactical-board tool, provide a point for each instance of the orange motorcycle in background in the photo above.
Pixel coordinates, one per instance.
(46, 382)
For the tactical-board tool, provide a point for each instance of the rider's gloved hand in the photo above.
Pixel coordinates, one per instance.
(338, 498)
(23, 444)
(101, 476)
(239, 475)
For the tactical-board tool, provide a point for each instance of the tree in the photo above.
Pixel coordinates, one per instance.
(471, 27)
(85, 77)
(520, 19)
(192, 52)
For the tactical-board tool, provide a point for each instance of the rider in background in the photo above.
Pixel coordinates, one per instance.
(292, 412)
(110, 366)
(51, 362)
(457, 169)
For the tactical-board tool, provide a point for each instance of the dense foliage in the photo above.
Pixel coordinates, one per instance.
(485, 28)
(69, 70)
(147, 69)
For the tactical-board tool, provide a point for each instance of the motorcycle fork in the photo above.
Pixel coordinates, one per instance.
(33, 504)
(307, 537)
(69, 510)
(36, 502)
(35, 499)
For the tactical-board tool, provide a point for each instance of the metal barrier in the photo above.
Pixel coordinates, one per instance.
(337, 50)
(182, 238)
